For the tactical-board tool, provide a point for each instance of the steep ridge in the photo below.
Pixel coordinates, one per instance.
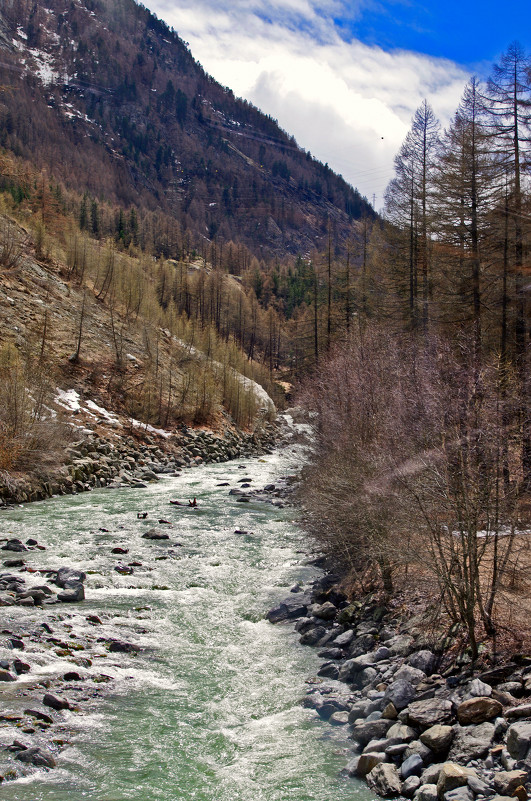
(110, 100)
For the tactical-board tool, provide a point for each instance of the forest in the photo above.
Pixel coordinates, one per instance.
(423, 464)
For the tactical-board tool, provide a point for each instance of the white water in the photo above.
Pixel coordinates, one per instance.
(211, 708)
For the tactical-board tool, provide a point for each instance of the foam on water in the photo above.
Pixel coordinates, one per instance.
(209, 710)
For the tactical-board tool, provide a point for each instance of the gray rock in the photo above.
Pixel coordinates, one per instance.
(411, 674)
(368, 760)
(478, 786)
(384, 780)
(423, 660)
(328, 671)
(5, 675)
(506, 781)
(438, 738)
(402, 732)
(367, 677)
(55, 703)
(471, 742)
(313, 636)
(65, 574)
(410, 786)
(73, 593)
(430, 712)
(400, 693)
(459, 794)
(338, 719)
(330, 653)
(326, 611)
(39, 757)
(370, 730)
(342, 640)
(519, 739)
(351, 767)
(411, 766)
(430, 775)
(361, 645)
(401, 645)
(155, 534)
(477, 689)
(515, 712)
(417, 748)
(426, 792)
(118, 646)
(291, 608)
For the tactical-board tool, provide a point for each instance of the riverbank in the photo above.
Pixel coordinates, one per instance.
(423, 724)
(105, 458)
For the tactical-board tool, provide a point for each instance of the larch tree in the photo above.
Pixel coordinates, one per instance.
(408, 208)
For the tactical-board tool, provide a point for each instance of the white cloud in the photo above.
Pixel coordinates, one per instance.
(348, 103)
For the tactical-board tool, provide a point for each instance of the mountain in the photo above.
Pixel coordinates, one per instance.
(110, 101)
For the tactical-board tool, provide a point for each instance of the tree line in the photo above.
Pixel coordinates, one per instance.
(423, 459)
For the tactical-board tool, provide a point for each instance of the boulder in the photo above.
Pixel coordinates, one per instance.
(411, 674)
(400, 693)
(471, 742)
(430, 712)
(342, 640)
(54, 702)
(423, 660)
(326, 611)
(519, 739)
(452, 776)
(364, 732)
(426, 792)
(14, 545)
(384, 780)
(118, 646)
(66, 574)
(328, 671)
(155, 534)
(368, 760)
(417, 748)
(73, 592)
(410, 786)
(5, 675)
(39, 757)
(506, 781)
(291, 608)
(459, 794)
(478, 710)
(313, 636)
(412, 766)
(515, 712)
(438, 738)
(402, 732)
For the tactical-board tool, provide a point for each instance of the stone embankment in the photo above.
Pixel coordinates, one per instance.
(459, 736)
(108, 461)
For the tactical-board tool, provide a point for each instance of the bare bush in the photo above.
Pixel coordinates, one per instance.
(408, 470)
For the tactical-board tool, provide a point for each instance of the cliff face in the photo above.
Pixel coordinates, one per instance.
(112, 102)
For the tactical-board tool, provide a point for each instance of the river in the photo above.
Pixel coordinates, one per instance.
(210, 709)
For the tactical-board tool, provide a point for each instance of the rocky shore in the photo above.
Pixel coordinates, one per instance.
(457, 735)
(107, 460)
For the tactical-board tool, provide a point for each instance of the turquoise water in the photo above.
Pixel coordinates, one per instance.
(210, 709)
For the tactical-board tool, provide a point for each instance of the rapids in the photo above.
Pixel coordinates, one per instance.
(210, 709)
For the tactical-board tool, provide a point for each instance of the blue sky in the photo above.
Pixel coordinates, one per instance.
(345, 78)
(469, 33)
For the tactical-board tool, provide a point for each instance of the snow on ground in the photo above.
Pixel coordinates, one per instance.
(68, 399)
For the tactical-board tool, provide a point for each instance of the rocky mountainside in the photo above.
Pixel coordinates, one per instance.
(111, 102)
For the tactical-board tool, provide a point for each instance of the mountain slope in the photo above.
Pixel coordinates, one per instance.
(111, 102)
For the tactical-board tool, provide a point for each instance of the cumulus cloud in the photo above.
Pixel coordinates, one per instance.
(348, 103)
